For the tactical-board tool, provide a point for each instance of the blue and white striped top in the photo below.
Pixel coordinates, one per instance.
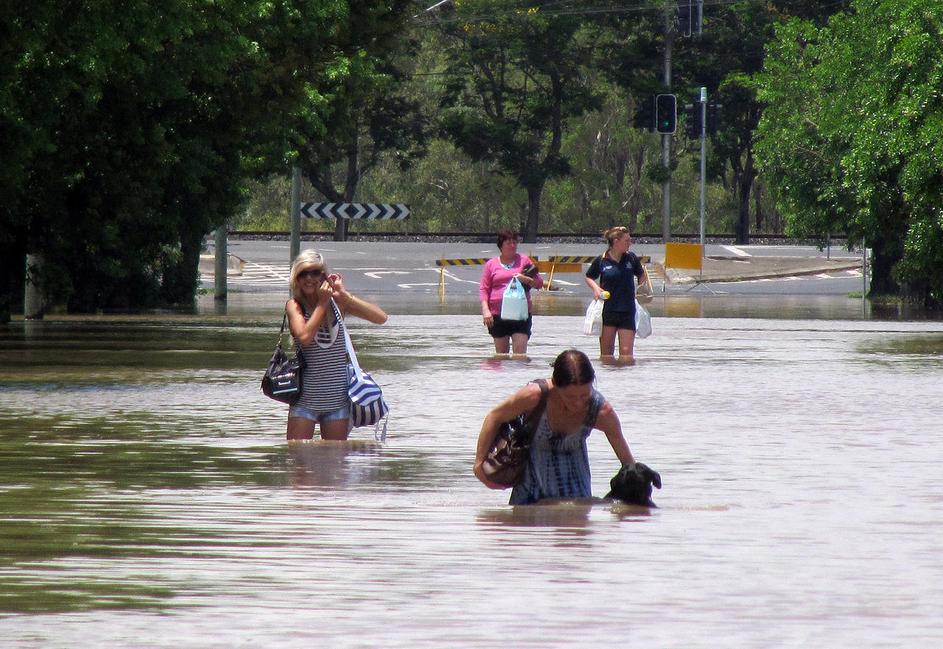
(558, 464)
(324, 385)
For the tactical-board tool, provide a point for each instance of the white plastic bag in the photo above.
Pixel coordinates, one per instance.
(592, 323)
(643, 321)
(514, 302)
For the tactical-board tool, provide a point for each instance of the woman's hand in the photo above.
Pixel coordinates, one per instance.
(524, 279)
(480, 474)
(336, 281)
(488, 319)
(594, 287)
(325, 291)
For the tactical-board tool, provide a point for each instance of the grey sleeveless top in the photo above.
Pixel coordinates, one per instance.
(324, 385)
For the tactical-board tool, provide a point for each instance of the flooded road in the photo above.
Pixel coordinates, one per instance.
(148, 497)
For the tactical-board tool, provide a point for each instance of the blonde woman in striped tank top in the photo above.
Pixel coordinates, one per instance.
(319, 337)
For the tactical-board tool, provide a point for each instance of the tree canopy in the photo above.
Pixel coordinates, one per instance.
(515, 79)
(134, 126)
(131, 131)
(852, 135)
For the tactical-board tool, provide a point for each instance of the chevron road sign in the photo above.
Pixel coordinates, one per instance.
(379, 211)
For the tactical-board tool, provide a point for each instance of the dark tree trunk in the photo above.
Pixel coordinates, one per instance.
(179, 281)
(758, 206)
(885, 254)
(533, 213)
(351, 180)
(744, 189)
(340, 230)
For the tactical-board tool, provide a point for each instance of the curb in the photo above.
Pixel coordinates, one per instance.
(234, 265)
(688, 279)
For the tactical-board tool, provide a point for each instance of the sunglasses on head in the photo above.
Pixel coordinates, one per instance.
(313, 274)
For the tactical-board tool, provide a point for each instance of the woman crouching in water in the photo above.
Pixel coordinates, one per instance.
(558, 463)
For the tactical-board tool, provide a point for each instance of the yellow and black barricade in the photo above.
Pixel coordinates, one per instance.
(555, 264)
(573, 264)
(471, 261)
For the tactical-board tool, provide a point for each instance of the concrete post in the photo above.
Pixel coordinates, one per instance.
(221, 263)
(33, 302)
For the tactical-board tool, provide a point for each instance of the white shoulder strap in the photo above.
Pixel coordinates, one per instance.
(351, 354)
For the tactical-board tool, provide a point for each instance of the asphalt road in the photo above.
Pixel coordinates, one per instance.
(384, 268)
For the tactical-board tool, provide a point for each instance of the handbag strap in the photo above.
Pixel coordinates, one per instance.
(647, 284)
(281, 332)
(533, 418)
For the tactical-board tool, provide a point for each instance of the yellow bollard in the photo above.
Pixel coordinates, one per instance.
(442, 278)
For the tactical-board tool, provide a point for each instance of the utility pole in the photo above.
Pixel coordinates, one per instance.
(666, 137)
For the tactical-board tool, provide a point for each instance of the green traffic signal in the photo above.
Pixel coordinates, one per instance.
(666, 113)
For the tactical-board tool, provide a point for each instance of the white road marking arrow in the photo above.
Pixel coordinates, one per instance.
(376, 274)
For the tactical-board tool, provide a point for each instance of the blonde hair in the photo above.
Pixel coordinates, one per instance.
(306, 260)
(614, 233)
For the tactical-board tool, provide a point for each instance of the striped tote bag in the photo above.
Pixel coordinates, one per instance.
(367, 406)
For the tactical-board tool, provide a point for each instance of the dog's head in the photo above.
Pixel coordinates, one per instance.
(634, 484)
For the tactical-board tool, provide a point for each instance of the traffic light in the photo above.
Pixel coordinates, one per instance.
(686, 11)
(666, 113)
(644, 117)
(712, 108)
(692, 119)
(689, 16)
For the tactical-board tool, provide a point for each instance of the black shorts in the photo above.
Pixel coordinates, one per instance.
(619, 319)
(504, 328)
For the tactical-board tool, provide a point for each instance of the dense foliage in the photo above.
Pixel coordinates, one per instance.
(132, 130)
(852, 135)
(133, 127)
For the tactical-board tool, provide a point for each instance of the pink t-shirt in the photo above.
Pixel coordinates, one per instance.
(495, 277)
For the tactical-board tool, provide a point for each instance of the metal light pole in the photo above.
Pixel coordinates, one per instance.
(703, 158)
(666, 140)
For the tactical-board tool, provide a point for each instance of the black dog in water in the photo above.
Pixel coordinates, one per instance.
(633, 485)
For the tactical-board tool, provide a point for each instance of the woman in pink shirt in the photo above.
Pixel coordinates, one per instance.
(497, 274)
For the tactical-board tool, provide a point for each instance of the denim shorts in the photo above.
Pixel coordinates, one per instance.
(319, 416)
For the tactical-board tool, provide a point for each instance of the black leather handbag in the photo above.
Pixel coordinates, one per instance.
(511, 446)
(282, 378)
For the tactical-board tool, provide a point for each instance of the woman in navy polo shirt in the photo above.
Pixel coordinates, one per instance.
(615, 272)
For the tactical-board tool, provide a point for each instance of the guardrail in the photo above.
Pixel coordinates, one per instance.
(469, 261)
(574, 264)
(554, 264)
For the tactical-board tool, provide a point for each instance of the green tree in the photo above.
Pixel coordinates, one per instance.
(514, 76)
(852, 136)
(729, 50)
(365, 115)
(135, 126)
